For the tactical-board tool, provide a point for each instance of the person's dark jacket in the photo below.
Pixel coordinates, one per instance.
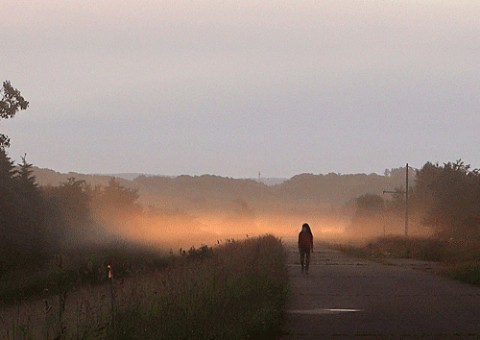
(305, 239)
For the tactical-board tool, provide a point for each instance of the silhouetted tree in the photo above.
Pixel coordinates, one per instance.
(446, 198)
(11, 102)
(369, 213)
(115, 203)
(20, 215)
(8, 208)
(369, 204)
(455, 195)
(119, 197)
(30, 202)
(68, 212)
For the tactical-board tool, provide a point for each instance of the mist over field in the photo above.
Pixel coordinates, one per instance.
(184, 211)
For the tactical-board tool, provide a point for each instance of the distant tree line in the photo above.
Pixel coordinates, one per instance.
(305, 191)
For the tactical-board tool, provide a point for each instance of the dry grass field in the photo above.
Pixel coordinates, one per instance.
(235, 290)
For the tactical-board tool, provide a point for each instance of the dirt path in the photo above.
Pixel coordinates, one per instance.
(345, 297)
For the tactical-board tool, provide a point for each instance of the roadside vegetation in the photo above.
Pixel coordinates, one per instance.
(460, 259)
(444, 202)
(235, 290)
(74, 268)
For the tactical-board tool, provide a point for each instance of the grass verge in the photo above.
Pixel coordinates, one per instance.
(237, 292)
(460, 258)
(75, 268)
(233, 291)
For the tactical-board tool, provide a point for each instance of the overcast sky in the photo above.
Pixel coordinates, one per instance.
(236, 87)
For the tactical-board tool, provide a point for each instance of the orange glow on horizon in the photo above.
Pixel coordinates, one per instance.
(177, 230)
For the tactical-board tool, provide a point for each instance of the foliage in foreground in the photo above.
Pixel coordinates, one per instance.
(461, 258)
(236, 291)
(77, 267)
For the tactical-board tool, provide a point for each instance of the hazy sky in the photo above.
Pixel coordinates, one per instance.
(236, 87)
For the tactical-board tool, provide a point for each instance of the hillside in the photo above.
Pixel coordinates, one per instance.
(215, 191)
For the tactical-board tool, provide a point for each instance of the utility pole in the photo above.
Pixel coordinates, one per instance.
(406, 200)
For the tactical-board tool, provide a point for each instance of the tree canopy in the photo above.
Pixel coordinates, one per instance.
(10, 103)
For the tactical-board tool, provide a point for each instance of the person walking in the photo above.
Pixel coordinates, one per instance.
(305, 246)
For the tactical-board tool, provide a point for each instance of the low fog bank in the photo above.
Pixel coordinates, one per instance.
(174, 229)
(183, 231)
(171, 229)
(186, 211)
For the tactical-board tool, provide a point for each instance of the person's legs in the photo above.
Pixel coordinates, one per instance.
(302, 258)
(307, 261)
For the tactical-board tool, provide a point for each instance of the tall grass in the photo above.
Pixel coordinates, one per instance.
(237, 292)
(234, 291)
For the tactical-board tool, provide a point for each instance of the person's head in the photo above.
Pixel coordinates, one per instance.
(306, 227)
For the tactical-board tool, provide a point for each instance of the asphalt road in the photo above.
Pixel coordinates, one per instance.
(346, 297)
